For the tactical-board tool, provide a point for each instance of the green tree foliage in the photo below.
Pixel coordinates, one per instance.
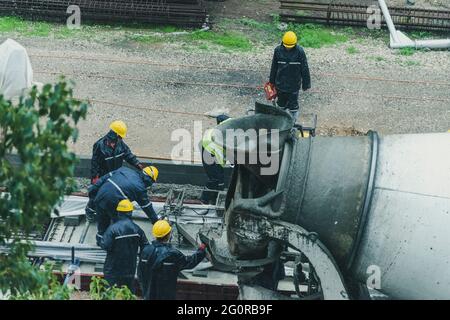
(37, 129)
(51, 288)
(100, 290)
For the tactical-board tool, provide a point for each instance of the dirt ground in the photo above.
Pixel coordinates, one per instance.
(375, 89)
(389, 106)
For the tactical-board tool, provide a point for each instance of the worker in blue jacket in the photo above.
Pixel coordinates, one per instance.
(110, 151)
(123, 241)
(160, 264)
(108, 154)
(123, 183)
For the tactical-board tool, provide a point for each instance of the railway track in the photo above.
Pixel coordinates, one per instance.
(187, 13)
(342, 13)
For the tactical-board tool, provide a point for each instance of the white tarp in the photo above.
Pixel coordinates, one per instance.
(16, 74)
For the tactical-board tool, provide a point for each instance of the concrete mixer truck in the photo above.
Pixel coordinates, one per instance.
(357, 210)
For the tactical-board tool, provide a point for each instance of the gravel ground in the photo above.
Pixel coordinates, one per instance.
(412, 93)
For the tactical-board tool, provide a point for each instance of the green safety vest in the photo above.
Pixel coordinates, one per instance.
(213, 148)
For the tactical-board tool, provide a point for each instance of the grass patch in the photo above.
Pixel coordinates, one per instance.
(316, 36)
(31, 28)
(420, 35)
(352, 50)
(407, 51)
(256, 24)
(228, 40)
(12, 24)
(28, 28)
(39, 29)
(349, 31)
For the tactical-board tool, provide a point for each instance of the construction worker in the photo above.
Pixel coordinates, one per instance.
(289, 73)
(110, 151)
(108, 155)
(160, 264)
(123, 183)
(122, 240)
(213, 161)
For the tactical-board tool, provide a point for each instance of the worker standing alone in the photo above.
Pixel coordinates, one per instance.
(160, 264)
(289, 73)
(122, 242)
(213, 160)
(108, 155)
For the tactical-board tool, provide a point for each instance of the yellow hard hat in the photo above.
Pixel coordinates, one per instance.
(161, 229)
(152, 172)
(289, 39)
(125, 206)
(120, 128)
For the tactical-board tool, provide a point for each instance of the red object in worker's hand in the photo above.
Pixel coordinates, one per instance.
(94, 180)
(271, 91)
(202, 247)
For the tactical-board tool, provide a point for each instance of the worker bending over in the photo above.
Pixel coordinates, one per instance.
(108, 155)
(160, 264)
(213, 160)
(122, 240)
(123, 183)
(289, 73)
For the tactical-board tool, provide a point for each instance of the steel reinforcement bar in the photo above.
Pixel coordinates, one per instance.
(341, 13)
(188, 13)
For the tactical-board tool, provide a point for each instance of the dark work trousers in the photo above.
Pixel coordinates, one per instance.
(103, 221)
(289, 102)
(121, 281)
(216, 179)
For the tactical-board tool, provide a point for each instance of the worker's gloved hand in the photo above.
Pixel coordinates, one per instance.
(94, 180)
(98, 239)
(271, 92)
(91, 215)
(202, 247)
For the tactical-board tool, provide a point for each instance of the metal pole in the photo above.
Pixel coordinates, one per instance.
(388, 18)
